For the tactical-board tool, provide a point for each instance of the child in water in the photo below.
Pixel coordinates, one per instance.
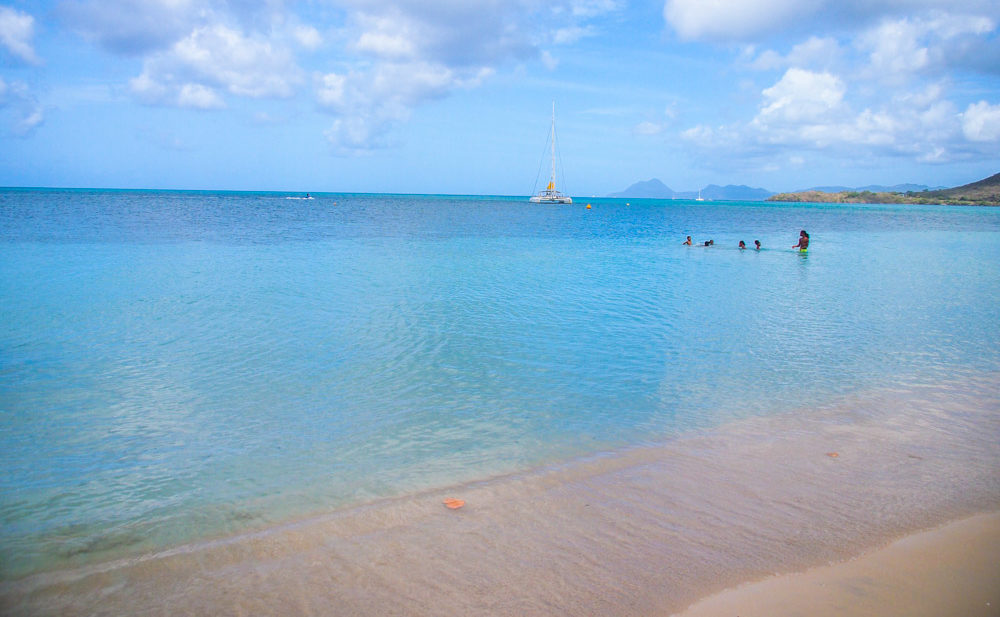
(803, 244)
(742, 245)
(756, 244)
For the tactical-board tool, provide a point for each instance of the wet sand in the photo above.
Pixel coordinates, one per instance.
(647, 531)
(951, 570)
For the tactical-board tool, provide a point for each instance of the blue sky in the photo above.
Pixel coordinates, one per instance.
(454, 96)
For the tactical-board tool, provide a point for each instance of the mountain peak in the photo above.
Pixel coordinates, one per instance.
(650, 189)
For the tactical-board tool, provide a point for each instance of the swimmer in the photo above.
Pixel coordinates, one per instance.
(756, 245)
(742, 245)
(688, 241)
(803, 244)
(709, 242)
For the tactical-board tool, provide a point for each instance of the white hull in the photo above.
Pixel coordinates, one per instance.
(551, 199)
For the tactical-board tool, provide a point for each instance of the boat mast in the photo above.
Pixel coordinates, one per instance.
(552, 178)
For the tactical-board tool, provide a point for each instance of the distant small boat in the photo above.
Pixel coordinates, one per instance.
(549, 195)
(699, 197)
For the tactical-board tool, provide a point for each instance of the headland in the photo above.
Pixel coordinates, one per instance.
(985, 192)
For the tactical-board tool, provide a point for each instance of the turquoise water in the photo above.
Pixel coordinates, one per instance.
(182, 365)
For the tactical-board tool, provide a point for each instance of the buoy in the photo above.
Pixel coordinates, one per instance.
(588, 206)
(453, 503)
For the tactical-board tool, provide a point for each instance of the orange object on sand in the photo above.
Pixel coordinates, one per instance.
(453, 503)
(832, 454)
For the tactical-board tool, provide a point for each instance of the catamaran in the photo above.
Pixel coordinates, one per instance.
(549, 195)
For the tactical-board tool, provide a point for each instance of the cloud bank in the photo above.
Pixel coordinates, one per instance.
(871, 76)
(384, 57)
(408, 52)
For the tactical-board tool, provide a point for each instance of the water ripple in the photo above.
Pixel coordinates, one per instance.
(170, 359)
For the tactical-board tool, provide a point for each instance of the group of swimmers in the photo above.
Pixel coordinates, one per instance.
(803, 244)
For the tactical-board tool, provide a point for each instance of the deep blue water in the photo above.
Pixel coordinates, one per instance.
(179, 365)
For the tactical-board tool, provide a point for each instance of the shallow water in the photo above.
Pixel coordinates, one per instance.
(643, 531)
(180, 366)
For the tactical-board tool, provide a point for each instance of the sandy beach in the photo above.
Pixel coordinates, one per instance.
(951, 570)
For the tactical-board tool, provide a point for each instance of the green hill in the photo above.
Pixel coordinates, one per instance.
(985, 192)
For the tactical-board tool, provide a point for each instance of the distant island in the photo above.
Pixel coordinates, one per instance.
(985, 192)
(647, 189)
(655, 189)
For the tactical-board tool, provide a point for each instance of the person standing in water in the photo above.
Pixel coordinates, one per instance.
(688, 241)
(803, 244)
(756, 245)
(743, 245)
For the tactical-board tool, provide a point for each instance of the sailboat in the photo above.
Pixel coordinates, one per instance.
(549, 195)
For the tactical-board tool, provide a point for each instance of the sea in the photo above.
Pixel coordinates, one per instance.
(187, 367)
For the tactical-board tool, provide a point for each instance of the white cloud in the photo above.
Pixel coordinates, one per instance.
(387, 56)
(745, 20)
(571, 34)
(735, 19)
(307, 37)
(29, 122)
(134, 26)
(210, 59)
(550, 61)
(872, 78)
(391, 36)
(718, 138)
(199, 97)
(801, 96)
(474, 32)
(358, 134)
(654, 126)
(815, 52)
(242, 65)
(16, 31)
(891, 50)
(370, 103)
(410, 52)
(811, 110)
(594, 8)
(981, 122)
(331, 91)
(19, 109)
(897, 48)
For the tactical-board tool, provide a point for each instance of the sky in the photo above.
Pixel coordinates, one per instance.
(455, 96)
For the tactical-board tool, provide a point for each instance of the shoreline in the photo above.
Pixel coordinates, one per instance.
(647, 531)
(949, 570)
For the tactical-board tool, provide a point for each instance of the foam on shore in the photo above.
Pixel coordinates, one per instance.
(646, 531)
